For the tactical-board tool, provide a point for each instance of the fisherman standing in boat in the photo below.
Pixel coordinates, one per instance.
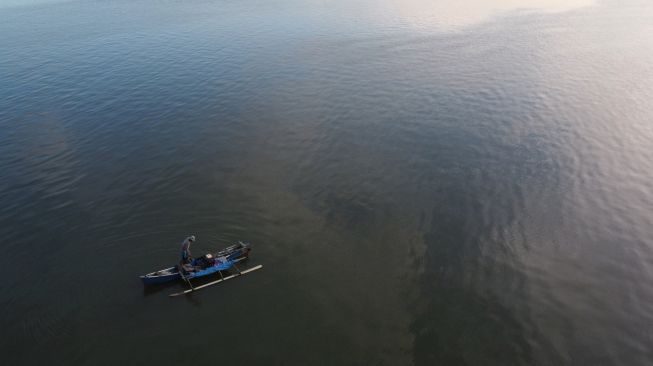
(185, 249)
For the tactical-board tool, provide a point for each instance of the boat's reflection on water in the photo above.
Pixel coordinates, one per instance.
(155, 289)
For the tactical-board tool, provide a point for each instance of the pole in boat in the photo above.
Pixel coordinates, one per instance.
(181, 272)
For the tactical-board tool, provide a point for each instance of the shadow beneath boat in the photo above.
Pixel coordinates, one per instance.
(154, 289)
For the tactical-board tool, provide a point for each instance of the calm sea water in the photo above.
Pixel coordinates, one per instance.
(424, 183)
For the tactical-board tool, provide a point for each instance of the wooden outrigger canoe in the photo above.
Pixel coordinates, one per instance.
(203, 266)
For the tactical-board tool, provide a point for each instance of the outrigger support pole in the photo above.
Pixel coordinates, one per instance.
(218, 281)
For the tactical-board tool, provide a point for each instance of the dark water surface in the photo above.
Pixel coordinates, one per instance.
(424, 183)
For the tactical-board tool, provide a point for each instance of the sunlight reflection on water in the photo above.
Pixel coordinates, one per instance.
(447, 15)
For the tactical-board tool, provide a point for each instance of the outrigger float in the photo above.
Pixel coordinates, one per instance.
(203, 266)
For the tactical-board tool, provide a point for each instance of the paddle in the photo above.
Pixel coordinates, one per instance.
(181, 273)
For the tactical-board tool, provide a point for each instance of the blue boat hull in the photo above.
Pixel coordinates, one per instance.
(155, 280)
